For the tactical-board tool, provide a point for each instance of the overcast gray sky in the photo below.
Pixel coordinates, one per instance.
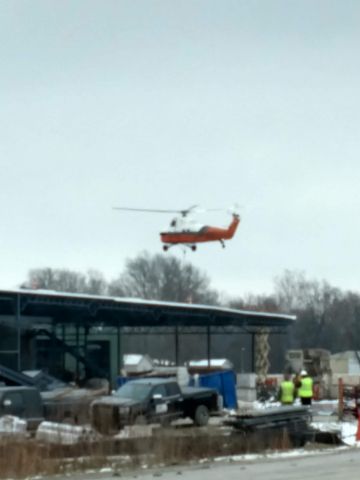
(166, 104)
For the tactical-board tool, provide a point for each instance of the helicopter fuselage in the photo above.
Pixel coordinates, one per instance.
(203, 234)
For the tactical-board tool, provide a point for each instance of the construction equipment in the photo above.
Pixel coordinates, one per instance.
(316, 361)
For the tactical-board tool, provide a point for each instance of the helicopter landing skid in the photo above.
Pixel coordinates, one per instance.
(192, 247)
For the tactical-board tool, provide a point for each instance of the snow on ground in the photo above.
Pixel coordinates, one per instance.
(324, 407)
(12, 424)
(346, 430)
(249, 457)
(326, 402)
(348, 433)
(326, 410)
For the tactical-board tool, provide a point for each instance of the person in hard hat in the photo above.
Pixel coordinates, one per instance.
(305, 390)
(287, 391)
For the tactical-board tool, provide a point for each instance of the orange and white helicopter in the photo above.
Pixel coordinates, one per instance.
(184, 230)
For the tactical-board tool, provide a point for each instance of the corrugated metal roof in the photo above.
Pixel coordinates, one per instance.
(143, 302)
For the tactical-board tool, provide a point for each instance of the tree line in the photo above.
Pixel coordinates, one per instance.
(154, 277)
(327, 317)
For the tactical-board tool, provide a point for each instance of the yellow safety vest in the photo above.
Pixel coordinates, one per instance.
(287, 392)
(306, 388)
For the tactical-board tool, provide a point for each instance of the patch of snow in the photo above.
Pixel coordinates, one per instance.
(300, 452)
(326, 402)
(348, 434)
(136, 431)
(214, 362)
(264, 405)
(12, 424)
(132, 359)
(62, 433)
(346, 430)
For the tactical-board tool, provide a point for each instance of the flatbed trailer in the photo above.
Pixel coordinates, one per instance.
(295, 421)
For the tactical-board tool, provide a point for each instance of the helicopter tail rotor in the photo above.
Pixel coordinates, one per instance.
(234, 209)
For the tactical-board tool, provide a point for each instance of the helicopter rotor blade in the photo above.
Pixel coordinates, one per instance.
(214, 209)
(192, 209)
(188, 210)
(232, 209)
(199, 209)
(150, 210)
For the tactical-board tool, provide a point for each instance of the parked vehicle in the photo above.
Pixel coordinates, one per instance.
(152, 400)
(64, 405)
(22, 402)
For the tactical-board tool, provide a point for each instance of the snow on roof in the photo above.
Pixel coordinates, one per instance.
(190, 306)
(214, 362)
(135, 358)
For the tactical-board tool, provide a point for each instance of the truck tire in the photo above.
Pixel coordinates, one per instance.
(104, 421)
(201, 416)
(105, 428)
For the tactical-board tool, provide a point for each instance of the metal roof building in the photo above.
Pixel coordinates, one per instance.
(59, 324)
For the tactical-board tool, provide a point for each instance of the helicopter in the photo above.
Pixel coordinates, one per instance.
(183, 230)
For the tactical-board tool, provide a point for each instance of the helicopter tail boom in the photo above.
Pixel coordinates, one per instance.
(233, 226)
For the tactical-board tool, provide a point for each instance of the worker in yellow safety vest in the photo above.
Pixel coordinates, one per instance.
(287, 391)
(305, 391)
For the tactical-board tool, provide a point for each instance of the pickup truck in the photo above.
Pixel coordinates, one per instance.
(152, 400)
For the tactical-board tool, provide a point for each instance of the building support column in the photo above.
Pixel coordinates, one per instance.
(252, 352)
(18, 331)
(77, 351)
(85, 345)
(208, 345)
(119, 351)
(176, 333)
(53, 347)
(63, 337)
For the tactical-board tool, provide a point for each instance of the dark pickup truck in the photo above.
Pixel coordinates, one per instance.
(152, 400)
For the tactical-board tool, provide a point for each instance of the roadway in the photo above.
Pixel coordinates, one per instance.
(334, 465)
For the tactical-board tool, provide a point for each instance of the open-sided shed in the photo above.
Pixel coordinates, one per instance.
(60, 324)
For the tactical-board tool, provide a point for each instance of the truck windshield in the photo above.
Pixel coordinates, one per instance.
(135, 391)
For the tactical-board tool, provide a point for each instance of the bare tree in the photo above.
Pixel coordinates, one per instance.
(345, 317)
(263, 303)
(292, 291)
(95, 283)
(66, 281)
(163, 277)
(326, 317)
(313, 302)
